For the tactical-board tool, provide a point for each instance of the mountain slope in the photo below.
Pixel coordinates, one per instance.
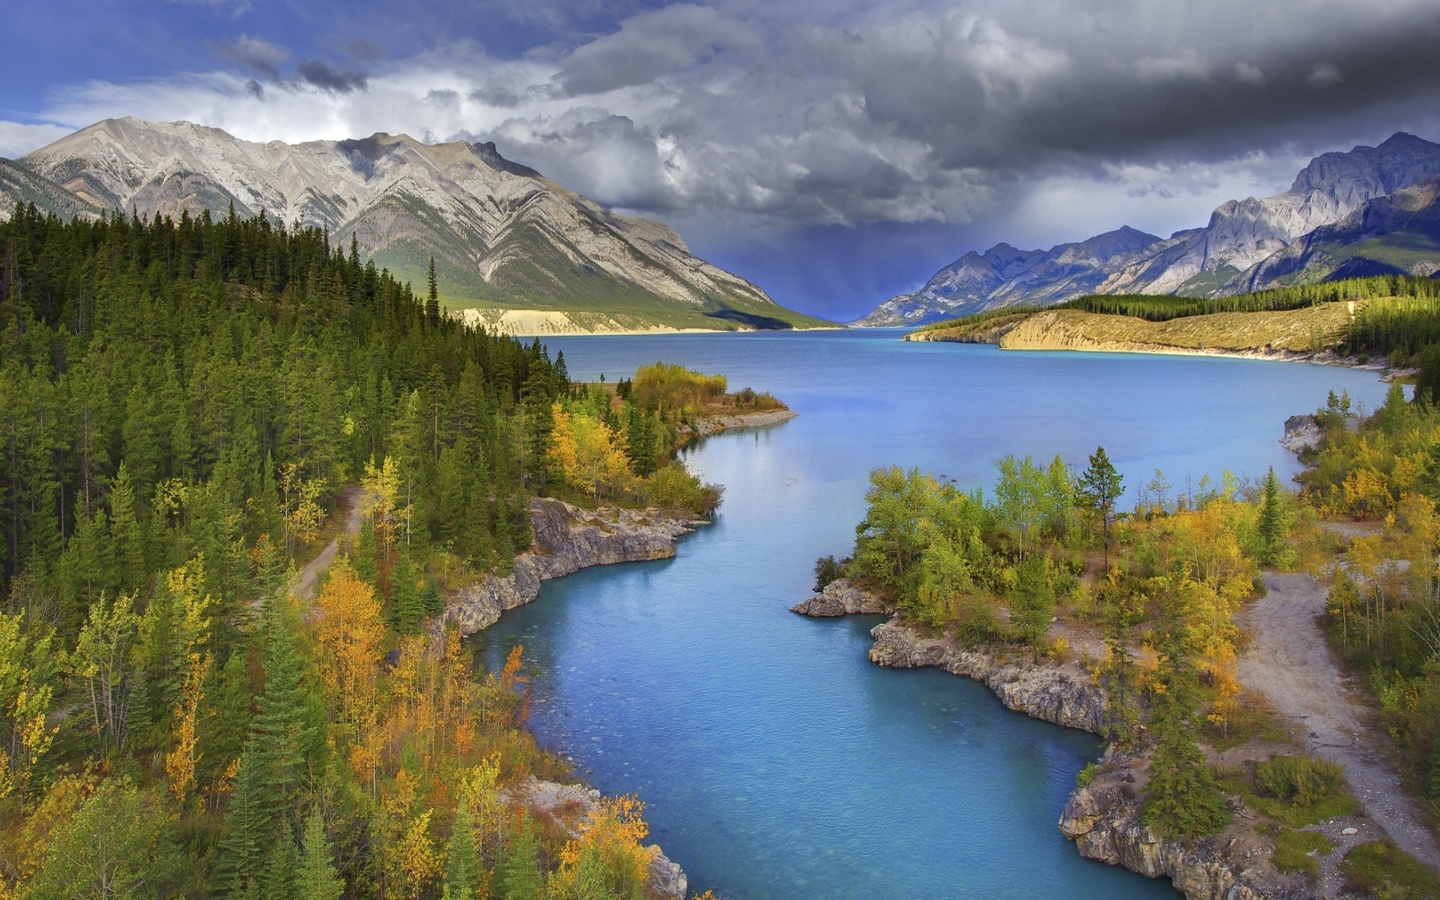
(1398, 234)
(1004, 276)
(1239, 249)
(503, 236)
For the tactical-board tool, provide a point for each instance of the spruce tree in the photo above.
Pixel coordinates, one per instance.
(316, 878)
(248, 831)
(284, 731)
(405, 609)
(519, 871)
(1182, 798)
(462, 859)
(1270, 525)
(1100, 487)
(432, 297)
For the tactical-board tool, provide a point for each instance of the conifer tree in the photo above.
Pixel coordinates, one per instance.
(519, 871)
(277, 882)
(316, 878)
(1100, 487)
(1182, 799)
(432, 297)
(1270, 526)
(462, 859)
(284, 731)
(405, 606)
(248, 831)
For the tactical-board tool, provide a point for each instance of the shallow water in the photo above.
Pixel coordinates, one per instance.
(774, 759)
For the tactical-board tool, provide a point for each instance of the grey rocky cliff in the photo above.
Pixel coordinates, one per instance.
(1062, 693)
(1301, 433)
(566, 539)
(842, 598)
(1104, 820)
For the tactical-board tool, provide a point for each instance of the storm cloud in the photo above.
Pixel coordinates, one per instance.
(1032, 122)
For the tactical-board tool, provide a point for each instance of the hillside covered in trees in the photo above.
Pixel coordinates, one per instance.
(182, 405)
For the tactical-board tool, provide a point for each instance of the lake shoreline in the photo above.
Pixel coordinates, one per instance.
(1103, 817)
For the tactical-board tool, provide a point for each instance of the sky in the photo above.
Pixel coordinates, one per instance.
(834, 153)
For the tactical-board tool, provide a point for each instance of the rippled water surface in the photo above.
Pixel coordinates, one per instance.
(775, 761)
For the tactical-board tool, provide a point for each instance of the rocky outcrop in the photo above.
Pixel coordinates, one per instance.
(571, 805)
(1301, 433)
(566, 539)
(1062, 693)
(715, 424)
(842, 598)
(1104, 820)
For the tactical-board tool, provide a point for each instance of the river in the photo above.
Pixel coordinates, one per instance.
(774, 760)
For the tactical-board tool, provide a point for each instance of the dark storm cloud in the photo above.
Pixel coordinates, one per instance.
(979, 94)
(365, 51)
(320, 75)
(259, 55)
(649, 46)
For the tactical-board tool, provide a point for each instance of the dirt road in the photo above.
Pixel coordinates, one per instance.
(349, 501)
(1290, 663)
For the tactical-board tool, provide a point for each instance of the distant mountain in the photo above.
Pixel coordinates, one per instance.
(504, 237)
(1004, 276)
(1247, 244)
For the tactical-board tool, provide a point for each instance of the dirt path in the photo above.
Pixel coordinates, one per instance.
(1291, 664)
(349, 501)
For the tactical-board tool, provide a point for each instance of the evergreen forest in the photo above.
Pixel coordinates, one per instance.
(189, 411)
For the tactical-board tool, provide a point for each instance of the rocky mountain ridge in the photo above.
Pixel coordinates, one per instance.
(503, 235)
(1247, 244)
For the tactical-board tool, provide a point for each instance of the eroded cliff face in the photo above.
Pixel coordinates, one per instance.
(1062, 693)
(566, 539)
(842, 598)
(1104, 820)
(1104, 817)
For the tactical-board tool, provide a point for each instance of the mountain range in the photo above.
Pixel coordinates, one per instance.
(1368, 211)
(512, 249)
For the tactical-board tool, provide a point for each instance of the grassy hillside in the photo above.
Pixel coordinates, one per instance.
(1353, 317)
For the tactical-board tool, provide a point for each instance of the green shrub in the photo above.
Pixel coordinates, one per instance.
(1085, 776)
(828, 569)
(1382, 869)
(1293, 849)
(675, 490)
(1299, 780)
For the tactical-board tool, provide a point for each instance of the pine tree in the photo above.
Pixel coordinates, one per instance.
(432, 297)
(462, 859)
(1182, 799)
(519, 871)
(405, 606)
(1099, 487)
(316, 878)
(1270, 525)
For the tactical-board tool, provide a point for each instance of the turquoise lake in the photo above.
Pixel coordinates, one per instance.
(774, 760)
